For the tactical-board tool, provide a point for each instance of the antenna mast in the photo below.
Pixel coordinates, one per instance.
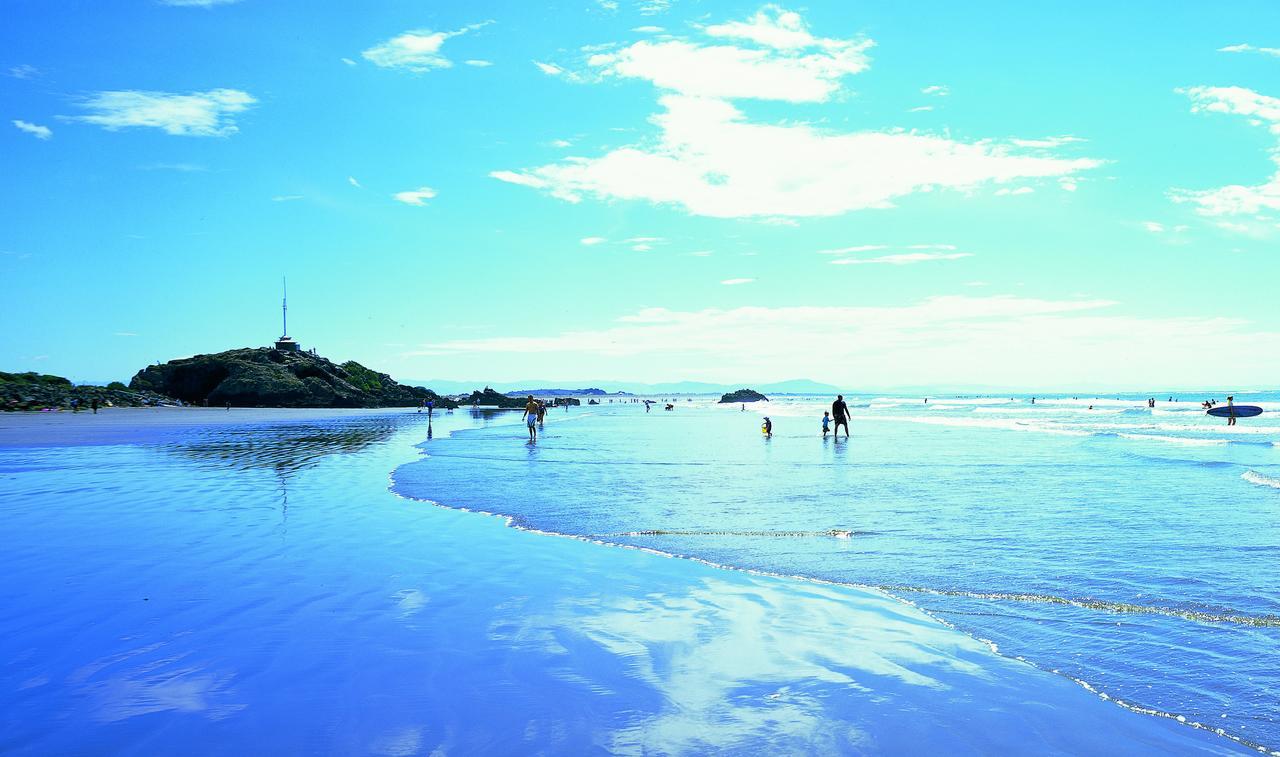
(284, 305)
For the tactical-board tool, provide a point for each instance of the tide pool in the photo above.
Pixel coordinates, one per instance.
(254, 586)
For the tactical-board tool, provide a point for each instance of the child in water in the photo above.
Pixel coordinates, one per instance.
(826, 423)
(766, 428)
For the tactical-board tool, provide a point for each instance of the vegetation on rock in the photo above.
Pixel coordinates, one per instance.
(265, 377)
(39, 391)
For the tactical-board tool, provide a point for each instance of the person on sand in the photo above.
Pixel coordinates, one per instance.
(841, 413)
(826, 423)
(531, 417)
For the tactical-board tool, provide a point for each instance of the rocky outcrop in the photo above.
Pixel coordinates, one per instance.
(39, 391)
(265, 377)
(743, 395)
(490, 398)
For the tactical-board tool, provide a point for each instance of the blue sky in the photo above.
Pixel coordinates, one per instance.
(868, 194)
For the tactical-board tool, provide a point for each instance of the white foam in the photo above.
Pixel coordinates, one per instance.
(1254, 477)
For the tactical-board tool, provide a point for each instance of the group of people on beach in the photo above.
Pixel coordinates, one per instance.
(839, 411)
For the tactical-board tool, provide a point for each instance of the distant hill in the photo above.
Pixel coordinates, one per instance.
(265, 377)
(610, 386)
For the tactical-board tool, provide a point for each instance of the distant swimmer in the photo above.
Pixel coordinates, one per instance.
(841, 413)
(1033, 400)
(766, 428)
(826, 423)
(531, 418)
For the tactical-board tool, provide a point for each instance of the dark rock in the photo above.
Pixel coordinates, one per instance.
(743, 395)
(37, 391)
(265, 377)
(490, 398)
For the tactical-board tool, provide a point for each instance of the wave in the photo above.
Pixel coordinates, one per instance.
(1260, 479)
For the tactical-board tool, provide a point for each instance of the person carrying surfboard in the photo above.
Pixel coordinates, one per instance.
(1231, 410)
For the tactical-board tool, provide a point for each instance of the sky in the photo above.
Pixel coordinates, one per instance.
(871, 194)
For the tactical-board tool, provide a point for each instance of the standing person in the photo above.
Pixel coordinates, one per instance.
(826, 423)
(542, 413)
(841, 413)
(1231, 410)
(766, 428)
(531, 418)
(94, 404)
(431, 405)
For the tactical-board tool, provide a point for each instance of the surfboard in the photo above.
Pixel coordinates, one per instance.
(1239, 411)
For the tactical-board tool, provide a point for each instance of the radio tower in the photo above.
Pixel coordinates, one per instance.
(284, 342)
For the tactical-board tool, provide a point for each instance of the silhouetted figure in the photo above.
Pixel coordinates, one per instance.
(840, 411)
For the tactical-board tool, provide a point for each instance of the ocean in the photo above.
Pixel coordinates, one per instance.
(973, 576)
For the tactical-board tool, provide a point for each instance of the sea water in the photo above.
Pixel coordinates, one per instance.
(1129, 548)
(252, 586)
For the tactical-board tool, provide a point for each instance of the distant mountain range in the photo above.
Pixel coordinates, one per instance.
(794, 386)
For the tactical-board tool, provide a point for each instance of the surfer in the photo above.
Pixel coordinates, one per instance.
(841, 413)
(1231, 410)
(531, 418)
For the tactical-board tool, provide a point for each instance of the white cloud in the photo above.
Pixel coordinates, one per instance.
(417, 50)
(702, 253)
(937, 90)
(561, 143)
(479, 63)
(921, 109)
(24, 71)
(786, 62)
(856, 248)
(592, 241)
(286, 198)
(648, 30)
(181, 167)
(197, 114)
(735, 282)
(1017, 191)
(550, 69)
(713, 162)
(710, 160)
(125, 333)
(1272, 51)
(905, 258)
(949, 339)
(352, 181)
(1153, 227)
(348, 61)
(415, 196)
(1068, 184)
(653, 7)
(35, 130)
(1047, 143)
(1236, 199)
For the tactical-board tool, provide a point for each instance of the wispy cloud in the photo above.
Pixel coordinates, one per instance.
(286, 198)
(125, 333)
(478, 63)
(1236, 199)
(178, 167)
(1243, 48)
(348, 61)
(592, 241)
(352, 181)
(197, 114)
(550, 69)
(648, 30)
(23, 71)
(936, 90)
(35, 130)
(417, 50)
(1014, 191)
(1020, 340)
(735, 282)
(905, 258)
(415, 196)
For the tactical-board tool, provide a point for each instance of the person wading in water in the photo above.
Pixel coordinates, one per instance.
(840, 412)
